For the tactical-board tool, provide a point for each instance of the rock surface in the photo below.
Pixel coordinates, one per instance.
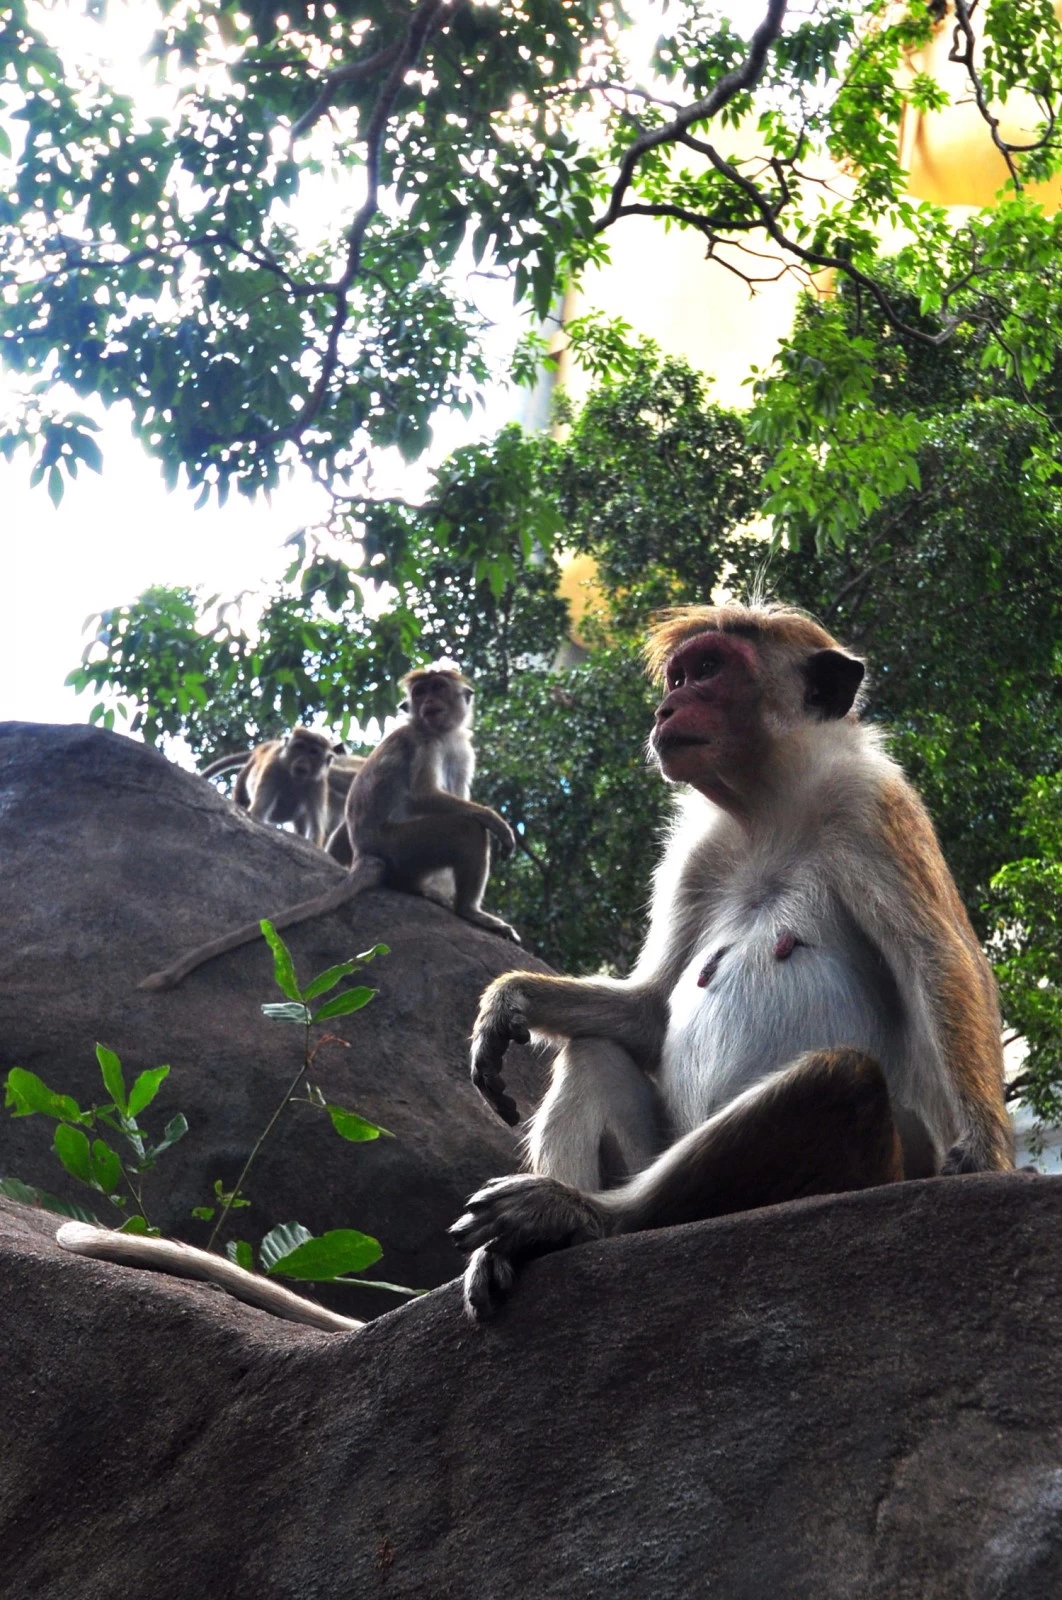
(848, 1397)
(114, 862)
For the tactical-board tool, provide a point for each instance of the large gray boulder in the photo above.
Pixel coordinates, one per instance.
(853, 1398)
(114, 861)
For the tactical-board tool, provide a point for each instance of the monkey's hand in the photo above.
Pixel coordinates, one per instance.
(501, 1020)
(510, 1221)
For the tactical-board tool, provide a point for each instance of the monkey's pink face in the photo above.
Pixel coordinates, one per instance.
(708, 728)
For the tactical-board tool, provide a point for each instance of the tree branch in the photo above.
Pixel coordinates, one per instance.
(427, 17)
(351, 72)
(732, 83)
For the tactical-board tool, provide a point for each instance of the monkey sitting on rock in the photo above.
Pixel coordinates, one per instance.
(811, 1013)
(407, 819)
(288, 780)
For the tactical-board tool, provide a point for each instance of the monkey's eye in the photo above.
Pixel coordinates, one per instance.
(676, 677)
(706, 667)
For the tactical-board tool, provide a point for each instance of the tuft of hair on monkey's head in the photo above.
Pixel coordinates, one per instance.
(832, 675)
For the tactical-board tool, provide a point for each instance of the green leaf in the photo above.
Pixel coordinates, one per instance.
(175, 1129)
(25, 1093)
(72, 1148)
(343, 1004)
(281, 1241)
(15, 1189)
(329, 1256)
(145, 1089)
(350, 1126)
(283, 966)
(113, 1081)
(288, 1011)
(328, 980)
(377, 950)
(239, 1251)
(202, 1213)
(106, 1167)
(139, 1225)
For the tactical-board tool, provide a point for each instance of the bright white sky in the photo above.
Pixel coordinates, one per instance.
(117, 533)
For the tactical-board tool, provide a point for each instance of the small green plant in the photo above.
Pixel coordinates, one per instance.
(288, 1250)
(95, 1162)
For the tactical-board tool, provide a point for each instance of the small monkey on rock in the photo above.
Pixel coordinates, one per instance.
(811, 1012)
(410, 807)
(408, 818)
(286, 780)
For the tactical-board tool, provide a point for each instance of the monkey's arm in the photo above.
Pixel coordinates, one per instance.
(631, 1012)
(241, 793)
(438, 802)
(520, 1004)
(905, 900)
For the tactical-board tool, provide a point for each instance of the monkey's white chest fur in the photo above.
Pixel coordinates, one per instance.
(766, 985)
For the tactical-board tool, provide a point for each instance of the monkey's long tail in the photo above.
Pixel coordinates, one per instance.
(185, 1261)
(366, 873)
(226, 764)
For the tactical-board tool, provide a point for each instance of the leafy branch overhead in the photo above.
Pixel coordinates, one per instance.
(162, 261)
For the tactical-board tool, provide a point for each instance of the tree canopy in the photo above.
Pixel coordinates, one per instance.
(163, 260)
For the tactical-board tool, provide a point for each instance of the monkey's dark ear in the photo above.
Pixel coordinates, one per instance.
(833, 681)
(339, 748)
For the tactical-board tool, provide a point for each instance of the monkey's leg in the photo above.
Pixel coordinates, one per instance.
(471, 864)
(601, 1120)
(338, 846)
(310, 822)
(423, 845)
(822, 1126)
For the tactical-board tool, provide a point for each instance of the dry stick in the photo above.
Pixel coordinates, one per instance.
(185, 1261)
(367, 873)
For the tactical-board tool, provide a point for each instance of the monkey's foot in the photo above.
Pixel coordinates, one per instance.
(485, 920)
(510, 1221)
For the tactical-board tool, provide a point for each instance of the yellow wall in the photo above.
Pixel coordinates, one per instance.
(949, 154)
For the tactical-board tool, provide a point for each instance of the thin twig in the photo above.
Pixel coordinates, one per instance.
(746, 76)
(259, 1142)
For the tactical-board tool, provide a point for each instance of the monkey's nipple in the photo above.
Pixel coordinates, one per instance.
(711, 967)
(784, 946)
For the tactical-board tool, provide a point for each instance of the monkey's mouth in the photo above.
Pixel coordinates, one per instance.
(664, 739)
